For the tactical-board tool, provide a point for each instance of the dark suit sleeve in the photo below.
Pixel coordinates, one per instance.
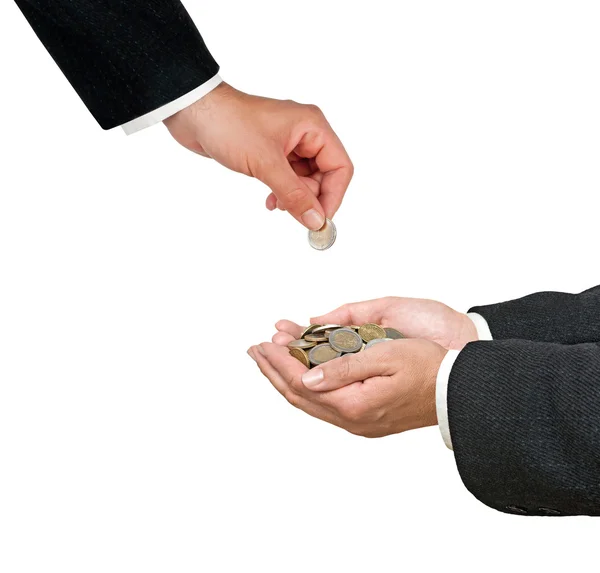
(125, 58)
(525, 424)
(546, 317)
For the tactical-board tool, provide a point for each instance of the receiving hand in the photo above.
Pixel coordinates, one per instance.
(288, 146)
(415, 318)
(387, 389)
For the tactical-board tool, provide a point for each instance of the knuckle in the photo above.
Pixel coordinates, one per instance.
(296, 384)
(351, 169)
(362, 431)
(314, 110)
(352, 411)
(344, 368)
(261, 166)
(293, 197)
(371, 434)
(292, 398)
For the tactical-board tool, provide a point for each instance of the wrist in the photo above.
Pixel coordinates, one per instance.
(468, 332)
(203, 107)
(432, 368)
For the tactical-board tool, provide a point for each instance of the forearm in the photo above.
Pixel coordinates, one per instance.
(546, 317)
(524, 421)
(124, 59)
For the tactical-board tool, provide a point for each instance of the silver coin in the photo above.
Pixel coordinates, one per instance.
(393, 333)
(376, 341)
(322, 353)
(301, 343)
(345, 340)
(309, 329)
(324, 237)
(325, 327)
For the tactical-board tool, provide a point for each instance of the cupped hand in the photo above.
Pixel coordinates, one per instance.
(288, 146)
(387, 389)
(415, 318)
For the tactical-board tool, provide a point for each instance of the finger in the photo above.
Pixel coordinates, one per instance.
(291, 372)
(290, 368)
(349, 369)
(292, 192)
(282, 338)
(301, 167)
(275, 377)
(354, 313)
(279, 383)
(271, 202)
(290, 327)
(333, 162)
(313, 184)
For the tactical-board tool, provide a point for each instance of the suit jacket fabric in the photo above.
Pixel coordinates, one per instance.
(125, 58)
(524, 415)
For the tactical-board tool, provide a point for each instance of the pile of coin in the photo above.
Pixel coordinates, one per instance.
(322, 342)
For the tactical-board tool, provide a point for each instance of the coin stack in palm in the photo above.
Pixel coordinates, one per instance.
(322, 342)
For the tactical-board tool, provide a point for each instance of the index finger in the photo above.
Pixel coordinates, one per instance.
(290, 327)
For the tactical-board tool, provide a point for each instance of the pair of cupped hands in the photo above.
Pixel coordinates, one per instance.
(293, 149)
(387, 389)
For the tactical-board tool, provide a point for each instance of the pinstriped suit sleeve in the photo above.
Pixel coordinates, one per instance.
(546, 317)
(125, 58)
(525, 424)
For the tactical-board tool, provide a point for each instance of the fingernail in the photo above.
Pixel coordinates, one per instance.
(260, 349)
(251, 354)
(312, 378)
(313, 219)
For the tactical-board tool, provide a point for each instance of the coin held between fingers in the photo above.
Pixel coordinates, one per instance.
(322, 239)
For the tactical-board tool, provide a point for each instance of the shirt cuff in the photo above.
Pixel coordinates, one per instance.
(481, 325)
(441, 394)
(171, 108)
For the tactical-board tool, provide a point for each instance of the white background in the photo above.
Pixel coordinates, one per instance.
(135, 432)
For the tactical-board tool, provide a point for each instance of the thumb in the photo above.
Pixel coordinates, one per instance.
(343, 371)
(293, 194)
(355, 313)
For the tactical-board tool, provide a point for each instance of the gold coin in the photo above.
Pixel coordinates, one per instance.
(316, 337)
(299, 354)
(322, 353)
(345, 340)
(300, 343)
(354, 327)
(371, 331)
(309, 329)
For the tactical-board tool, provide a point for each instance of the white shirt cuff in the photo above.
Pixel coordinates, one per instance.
(171, 108)
(483, 329)
(441, 394)
(443, 377)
